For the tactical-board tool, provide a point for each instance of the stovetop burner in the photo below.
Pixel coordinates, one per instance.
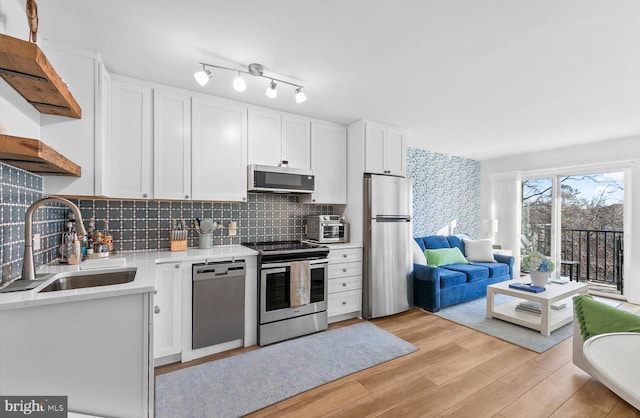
(273, 247)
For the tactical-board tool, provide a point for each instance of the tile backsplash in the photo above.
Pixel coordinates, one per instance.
(145, 225)
(19, 189)
(139, 225)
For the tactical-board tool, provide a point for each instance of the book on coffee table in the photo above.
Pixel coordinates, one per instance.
(528, 287)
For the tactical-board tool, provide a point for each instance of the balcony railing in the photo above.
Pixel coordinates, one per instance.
(598, 252)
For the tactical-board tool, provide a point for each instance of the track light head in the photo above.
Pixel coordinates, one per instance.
(300, 96)
(202, 77)
(239, 84)
(272, 93)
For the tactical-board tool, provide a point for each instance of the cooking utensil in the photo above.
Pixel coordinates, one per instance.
(207, 226)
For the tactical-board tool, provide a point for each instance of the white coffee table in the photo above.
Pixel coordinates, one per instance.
(550, 319)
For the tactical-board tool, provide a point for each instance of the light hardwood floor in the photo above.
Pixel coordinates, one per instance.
(457, 372)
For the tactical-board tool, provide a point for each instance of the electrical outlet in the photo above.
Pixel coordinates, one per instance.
(36, 242)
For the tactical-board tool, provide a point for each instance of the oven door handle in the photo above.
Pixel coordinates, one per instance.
(288, 264)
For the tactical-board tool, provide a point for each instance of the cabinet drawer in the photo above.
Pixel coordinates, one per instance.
(346, 255)
(344, 284)
(344, 302)
(345, 269)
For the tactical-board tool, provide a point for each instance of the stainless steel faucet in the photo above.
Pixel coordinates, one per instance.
(28, 267)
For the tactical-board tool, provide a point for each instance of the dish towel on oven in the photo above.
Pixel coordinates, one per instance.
(300, 283)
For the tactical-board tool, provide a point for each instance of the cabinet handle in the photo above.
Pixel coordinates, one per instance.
(244, 199)
(145, 195)
(345, 270)
(177, 266)
(313, 200)
(344, 284)
(156, 310)
(186, 196)
(344, 303)
(344, 255)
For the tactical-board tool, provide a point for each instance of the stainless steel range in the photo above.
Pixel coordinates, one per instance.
(283, 268)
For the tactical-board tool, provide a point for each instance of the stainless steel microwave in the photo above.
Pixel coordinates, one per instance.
(262, 178)
(327, 229)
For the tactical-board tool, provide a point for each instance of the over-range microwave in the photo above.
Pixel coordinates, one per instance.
(262, 178)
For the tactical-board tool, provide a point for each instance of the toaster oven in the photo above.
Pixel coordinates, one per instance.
(327, 229)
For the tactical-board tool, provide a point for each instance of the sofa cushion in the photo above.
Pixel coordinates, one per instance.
(444, 256)
(418, 254)
(433, 242)
(480, 250)
(456, 241)
(495, 269)
(450, 278)
(472, 271)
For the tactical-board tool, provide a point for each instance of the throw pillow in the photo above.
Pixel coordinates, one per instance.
(479, 250)
(445, 256)
(418, 254)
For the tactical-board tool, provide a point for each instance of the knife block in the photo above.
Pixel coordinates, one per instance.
(179, 245)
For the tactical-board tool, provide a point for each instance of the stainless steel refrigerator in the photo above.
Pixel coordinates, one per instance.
(387, 245)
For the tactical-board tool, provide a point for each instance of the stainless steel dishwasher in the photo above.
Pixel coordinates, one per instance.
(218, 303)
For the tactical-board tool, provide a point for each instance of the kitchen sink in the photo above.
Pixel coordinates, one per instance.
(84, 279)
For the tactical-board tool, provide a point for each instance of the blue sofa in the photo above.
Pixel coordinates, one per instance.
(437, 287)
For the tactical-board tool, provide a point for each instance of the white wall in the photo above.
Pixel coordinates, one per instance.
(604, 152)
(17, 116)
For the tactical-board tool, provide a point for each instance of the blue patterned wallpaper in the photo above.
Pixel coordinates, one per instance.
(446, 193)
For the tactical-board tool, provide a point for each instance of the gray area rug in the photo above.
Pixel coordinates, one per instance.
(238, 385)
(474, 315)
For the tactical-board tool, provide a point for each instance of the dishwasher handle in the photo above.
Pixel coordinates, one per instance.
(218, 271)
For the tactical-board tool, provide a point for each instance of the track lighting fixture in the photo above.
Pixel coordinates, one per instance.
(202, 77)
(272, 93)
(239, 83)
(300, 96)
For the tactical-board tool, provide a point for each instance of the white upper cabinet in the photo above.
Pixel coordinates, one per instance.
(329, 163)
(77, 139)
(130, 157)
(274, 137)
(296, 141)
(171, 145)
(219, 165)
(384, 150)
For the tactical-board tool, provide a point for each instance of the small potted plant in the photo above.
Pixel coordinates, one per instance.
(540, 268)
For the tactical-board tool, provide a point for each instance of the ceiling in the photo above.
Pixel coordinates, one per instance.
(477, 79)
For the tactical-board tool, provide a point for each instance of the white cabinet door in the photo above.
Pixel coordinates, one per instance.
(103, 132)
(171, 145)
(329, 163)
(384, 149)
(265, 137)
(219, 163)
(296, 141)
(73, 138)
(374, 148)
(395, 152)
(130, 165)
(167, 318)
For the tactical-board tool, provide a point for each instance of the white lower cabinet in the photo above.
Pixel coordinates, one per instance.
(345, 283)
(167, 310)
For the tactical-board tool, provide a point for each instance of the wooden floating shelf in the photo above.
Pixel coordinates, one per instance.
(25, 67)
(35, 156)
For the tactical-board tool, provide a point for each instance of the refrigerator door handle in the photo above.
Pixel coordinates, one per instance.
(391, 218)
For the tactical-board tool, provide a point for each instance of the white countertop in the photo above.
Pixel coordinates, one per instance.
(144, 281)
